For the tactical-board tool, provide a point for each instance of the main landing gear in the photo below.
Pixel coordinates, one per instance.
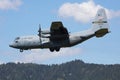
(52, 49)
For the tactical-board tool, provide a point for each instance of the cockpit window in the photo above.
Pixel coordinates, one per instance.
(17, 38)
(16, 41)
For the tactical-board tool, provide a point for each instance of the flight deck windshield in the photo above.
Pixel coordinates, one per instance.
(16, 39)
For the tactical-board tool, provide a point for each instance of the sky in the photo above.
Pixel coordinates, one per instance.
(22, 17)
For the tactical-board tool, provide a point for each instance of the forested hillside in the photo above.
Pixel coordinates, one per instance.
(74, 70)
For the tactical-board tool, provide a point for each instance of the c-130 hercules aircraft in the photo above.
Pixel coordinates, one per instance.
(59, 37)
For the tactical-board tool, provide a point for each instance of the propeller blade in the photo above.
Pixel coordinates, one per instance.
(39, 31)
(39, 34)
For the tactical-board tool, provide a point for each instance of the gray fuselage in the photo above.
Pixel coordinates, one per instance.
(33, 42)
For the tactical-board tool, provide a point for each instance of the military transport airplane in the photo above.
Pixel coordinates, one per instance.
(59, 37)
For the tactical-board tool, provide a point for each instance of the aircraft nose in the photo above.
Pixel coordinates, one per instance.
(11, 45)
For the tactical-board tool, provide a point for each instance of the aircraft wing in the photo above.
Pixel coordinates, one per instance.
(58, 32)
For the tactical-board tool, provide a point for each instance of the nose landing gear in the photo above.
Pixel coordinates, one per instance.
(21, 50)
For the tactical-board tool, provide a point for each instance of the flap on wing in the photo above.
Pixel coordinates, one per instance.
(58, 31)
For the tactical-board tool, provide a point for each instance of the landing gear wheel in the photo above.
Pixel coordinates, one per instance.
(51, 49)
(21, 50)
(57, 49)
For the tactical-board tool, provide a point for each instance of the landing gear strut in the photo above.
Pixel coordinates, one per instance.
(21, 50)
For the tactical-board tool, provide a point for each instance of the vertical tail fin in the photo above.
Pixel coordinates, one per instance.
(100, 23)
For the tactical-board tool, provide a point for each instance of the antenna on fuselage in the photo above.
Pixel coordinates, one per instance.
(39, 33)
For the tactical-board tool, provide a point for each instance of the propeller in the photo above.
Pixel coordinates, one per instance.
(39, 33)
